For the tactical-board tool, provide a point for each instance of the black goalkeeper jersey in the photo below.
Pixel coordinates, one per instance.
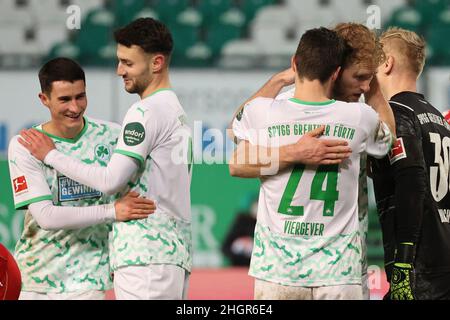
(408, 212)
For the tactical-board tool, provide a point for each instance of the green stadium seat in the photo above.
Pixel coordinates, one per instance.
(184, 37)
(126, 10)
(190, 17)
(104, 57)
(250, 7)
(407, 18)
(228, 26)
(213, 9)
(439, 48)
(233, 17)
(219, 34)
(97, 33)
(147, 12)
(63, 49)
(168, 10)
(430, 9)
(186, 30)
(443, 17)
(198, 55)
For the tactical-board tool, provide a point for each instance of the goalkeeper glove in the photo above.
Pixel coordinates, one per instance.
(403, 276)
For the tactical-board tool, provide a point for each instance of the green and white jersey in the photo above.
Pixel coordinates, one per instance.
(308, 231)
(363, 200)
(155, 133)
(63, 260)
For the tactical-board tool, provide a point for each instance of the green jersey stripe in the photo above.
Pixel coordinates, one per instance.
(159, 90)
(324, 103)
(131, 154)
(30, 201)
(74, 140)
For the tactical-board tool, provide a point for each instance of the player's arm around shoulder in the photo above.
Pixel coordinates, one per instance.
(252, 116)
(254, 158)
(379, 135)
(19, 158)
(28, 181)
(269, 90)
(249, 157)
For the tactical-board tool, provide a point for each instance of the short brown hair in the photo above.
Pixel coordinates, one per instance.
(367, 49)
(408, 44)
(320, 52)
(149, 34)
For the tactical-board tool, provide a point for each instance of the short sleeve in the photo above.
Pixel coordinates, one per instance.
(379, 140)
(241, 124)
(139, 132)
(251, 118)
(28, 181)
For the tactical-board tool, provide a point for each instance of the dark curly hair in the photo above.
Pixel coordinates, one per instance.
(149, 34)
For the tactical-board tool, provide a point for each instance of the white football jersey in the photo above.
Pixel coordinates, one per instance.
(363, 199)
(308, 215)
(155, 133)
(63, 260)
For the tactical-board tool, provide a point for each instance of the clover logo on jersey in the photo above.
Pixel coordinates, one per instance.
(102, 152)
(133, 134)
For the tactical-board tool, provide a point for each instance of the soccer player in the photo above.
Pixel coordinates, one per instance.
(307, 244)
(353, 81)
(63, 250)
(411, 184)
(151, 259)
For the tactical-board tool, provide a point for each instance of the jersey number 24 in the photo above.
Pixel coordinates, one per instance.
(329, 196)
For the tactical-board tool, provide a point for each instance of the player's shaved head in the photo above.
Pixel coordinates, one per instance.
(407, 47)
(59, 69)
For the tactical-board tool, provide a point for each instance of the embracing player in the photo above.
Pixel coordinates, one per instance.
(307, 243)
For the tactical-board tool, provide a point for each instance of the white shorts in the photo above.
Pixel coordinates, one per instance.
(265, 290)
(86, 295)
(151, 282)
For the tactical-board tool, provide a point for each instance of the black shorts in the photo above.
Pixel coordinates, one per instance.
(433, 286)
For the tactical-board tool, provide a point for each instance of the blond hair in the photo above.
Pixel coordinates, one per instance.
(408, 44)
(367, 50)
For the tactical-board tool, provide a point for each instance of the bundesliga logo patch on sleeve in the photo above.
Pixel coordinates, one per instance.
(20, 185)
(397, 152)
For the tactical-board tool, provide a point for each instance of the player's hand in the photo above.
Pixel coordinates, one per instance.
(37, 143)
(309, 149)
(132, 207)
(286, 77)
(402, 282)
